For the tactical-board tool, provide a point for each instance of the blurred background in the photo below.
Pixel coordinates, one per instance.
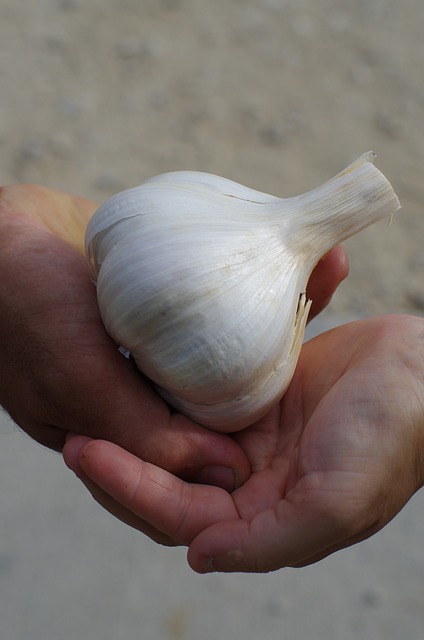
(276, 94)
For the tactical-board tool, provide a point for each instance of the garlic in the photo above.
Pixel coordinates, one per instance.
(203, 281)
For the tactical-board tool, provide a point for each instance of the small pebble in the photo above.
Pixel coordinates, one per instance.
(69, 5)
(273, 135)
(372, 597)
(130, 47)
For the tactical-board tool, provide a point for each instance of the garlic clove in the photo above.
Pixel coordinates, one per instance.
(203, 281)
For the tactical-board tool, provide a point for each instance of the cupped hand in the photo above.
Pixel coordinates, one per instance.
(331, 464)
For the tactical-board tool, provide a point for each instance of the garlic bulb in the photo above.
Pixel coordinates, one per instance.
(203, 281)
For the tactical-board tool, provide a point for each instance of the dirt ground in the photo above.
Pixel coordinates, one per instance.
(277, 94)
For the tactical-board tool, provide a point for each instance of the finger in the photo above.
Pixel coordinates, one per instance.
(177, 509)
(276, 538)
(109, 398)
(326, 277)
(125, 410)
(71, 453)
(138, 421)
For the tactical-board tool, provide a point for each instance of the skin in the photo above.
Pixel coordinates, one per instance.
(332, 464)
(60, 372)
(329, 466)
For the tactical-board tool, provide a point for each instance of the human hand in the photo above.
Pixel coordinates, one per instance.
(331, 465)
(59, 370)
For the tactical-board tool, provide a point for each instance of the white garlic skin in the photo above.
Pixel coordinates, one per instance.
(203, 281)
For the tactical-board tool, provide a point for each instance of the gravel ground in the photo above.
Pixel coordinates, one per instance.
(276, 94)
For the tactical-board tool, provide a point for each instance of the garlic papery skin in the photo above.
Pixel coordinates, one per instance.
(203, 281)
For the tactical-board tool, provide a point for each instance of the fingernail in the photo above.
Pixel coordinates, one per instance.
(218, 476)
(209, 566)
(229, 562)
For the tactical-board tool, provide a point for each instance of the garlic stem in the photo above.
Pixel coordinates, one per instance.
(341, 207)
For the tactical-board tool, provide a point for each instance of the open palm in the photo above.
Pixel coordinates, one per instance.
(331, 464)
